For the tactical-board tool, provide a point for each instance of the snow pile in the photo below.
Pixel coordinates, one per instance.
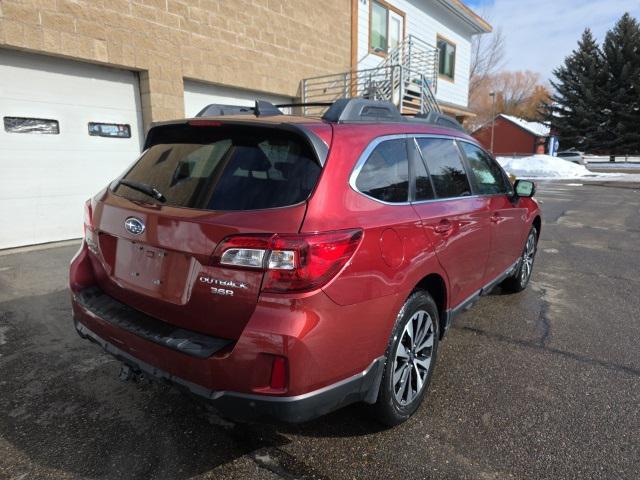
(543, 166)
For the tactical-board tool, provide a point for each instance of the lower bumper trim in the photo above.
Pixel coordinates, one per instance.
(95, 302)
(363, 386)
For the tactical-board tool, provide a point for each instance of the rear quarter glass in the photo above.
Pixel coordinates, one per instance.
(226, 168)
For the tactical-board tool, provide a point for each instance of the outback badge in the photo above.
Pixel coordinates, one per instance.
(218, 285)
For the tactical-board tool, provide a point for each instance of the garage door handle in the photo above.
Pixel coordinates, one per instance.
(444, 226)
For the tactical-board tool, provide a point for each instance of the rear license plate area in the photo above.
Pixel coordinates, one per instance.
(153, 271)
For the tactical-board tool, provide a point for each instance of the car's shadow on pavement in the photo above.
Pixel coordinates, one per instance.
(63, 408)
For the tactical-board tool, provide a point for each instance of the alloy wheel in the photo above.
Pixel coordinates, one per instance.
(412, 361)
(527, 259)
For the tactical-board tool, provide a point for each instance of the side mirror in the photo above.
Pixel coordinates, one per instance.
(525, 188)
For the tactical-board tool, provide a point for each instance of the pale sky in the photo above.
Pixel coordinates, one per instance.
(539, 34)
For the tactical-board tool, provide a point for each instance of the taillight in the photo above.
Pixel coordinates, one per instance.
(292, 262)
(317, 258)
(88, 217)
(243, 251)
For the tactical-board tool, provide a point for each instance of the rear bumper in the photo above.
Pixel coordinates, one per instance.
(300, 408)
(310, 331)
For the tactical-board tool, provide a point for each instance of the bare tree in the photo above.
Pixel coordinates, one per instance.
(487, 57)
(517, 93)
(515, 89)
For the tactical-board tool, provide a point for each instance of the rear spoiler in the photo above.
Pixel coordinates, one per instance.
(158, 132)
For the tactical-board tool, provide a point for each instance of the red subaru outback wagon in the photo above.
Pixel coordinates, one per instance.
(285, 266)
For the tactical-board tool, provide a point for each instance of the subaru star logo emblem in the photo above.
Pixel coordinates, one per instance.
(134, 225)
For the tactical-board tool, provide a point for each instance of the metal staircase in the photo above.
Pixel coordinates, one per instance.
(407, 77)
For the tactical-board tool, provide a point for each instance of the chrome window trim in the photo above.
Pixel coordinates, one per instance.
(434, 200)
(378, 140)
(364, 156)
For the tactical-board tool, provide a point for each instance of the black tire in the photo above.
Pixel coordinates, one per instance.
(521, 277)
(388, 409)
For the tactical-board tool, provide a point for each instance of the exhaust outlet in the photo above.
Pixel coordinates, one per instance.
(129, 373)
(126, 373)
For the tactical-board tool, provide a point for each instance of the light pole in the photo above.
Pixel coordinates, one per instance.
(493, 116)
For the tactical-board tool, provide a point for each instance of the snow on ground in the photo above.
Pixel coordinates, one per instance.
(605, 159)
(545, 166)
(615, 165)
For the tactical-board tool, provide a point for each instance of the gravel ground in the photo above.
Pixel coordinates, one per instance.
(544, 384)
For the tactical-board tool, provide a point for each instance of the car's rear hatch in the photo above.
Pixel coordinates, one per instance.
(215, 180)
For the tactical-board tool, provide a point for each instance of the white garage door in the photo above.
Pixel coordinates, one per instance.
(198, 95)
(66, 130)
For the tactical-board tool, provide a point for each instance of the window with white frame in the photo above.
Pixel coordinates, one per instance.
(386, 27)
(447, 58)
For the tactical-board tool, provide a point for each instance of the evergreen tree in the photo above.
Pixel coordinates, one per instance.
(621, 52)
(575, 112)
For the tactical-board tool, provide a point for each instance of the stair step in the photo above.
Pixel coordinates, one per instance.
(411, 107)
(411, 102)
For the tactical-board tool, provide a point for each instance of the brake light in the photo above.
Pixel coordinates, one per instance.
(292, 262)
(317, 259)
(205, 123)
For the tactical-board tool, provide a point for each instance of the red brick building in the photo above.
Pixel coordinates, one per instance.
(513, 135)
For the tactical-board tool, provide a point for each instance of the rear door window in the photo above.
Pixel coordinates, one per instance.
(423, 185)
(445, 166)
(385, 174)
(487, 176)
(226, 168)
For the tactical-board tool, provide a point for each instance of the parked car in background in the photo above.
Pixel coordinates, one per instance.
(572, 156)
(286, 266)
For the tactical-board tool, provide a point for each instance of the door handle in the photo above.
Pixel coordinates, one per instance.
(495, 218)
(444, 226)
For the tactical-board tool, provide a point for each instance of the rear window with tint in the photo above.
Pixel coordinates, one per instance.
(226, 168)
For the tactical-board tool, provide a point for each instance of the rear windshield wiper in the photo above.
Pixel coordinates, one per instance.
(144, 188)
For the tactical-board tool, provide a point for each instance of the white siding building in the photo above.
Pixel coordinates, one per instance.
(445, 25)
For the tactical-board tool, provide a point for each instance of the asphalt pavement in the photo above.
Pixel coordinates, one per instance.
(544, 384)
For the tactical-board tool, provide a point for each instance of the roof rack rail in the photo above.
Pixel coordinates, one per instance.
(438, 119)
(362, 110)
(261, 108)
(307, 104)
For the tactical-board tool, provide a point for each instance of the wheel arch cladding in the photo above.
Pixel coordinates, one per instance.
(435, 285)
(537, 222)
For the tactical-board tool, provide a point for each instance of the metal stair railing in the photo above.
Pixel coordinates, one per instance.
(418, 56)
(407, 78)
